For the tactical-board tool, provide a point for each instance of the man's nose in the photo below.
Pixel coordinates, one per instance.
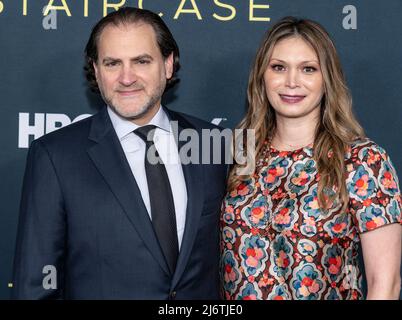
(127, 75)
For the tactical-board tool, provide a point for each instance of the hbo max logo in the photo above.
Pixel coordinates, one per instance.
(38, 124)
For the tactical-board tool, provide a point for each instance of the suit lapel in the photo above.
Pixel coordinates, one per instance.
(109, 158)
(193, 175)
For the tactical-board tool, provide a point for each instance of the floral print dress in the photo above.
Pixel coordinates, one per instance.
(277, 244)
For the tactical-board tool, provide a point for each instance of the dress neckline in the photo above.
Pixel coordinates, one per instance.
(298, 150)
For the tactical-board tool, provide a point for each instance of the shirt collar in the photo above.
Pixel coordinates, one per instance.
(123, 127)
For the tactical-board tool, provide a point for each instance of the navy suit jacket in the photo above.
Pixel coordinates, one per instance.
(82, 212)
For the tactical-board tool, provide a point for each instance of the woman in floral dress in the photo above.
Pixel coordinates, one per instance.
(292, 228)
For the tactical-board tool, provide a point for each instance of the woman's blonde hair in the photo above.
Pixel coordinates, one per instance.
(337, 127)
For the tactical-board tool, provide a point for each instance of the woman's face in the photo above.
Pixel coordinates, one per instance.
(293, 80)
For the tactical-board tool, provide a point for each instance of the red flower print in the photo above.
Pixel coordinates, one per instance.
(250, 252)
(242, 189)
(241, 186)
(228, 268)
(304, 181)
(301, 179)
(360, 183)
(372, 157)
(367, 202)
(307, 281)
(278, 195)
(388, 181)
(339, 227)
(387, 175)
(371, 225)
(254, 231)
(256, 211)
(272, 171)
(257, 214)
(282, 261)
(384, 202)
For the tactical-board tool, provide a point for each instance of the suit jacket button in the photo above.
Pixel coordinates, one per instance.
(173, 295)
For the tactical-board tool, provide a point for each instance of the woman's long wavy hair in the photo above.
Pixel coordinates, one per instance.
(337, 127)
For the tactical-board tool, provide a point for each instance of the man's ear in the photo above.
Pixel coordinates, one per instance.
(95, 66)
(169, 66)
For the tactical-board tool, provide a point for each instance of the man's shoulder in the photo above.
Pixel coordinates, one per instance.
(192, 121)
(70, 135)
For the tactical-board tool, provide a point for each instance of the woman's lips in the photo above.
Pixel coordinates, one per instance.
(291, 98)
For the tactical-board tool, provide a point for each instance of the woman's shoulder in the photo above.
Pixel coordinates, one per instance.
(365, 143)
(366, 155)
(364, 148)
(372, 185)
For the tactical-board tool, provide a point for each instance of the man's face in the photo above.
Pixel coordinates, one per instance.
(131, 72)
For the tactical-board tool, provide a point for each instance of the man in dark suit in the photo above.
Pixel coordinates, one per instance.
(109, 208)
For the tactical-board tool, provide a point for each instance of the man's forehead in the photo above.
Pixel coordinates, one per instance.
(128, 39)
(129, 29)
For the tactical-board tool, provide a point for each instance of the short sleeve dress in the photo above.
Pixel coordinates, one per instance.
(277, 244)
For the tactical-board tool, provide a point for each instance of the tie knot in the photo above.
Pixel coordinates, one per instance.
(146, 133)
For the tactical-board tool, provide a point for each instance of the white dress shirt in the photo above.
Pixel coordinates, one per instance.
(134, 149)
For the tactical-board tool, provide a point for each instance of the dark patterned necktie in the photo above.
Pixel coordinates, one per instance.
(161, 198)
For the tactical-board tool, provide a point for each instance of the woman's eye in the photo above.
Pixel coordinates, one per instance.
(278, 67)
(309, 69)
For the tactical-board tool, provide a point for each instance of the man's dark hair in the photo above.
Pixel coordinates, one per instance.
(127, 16)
